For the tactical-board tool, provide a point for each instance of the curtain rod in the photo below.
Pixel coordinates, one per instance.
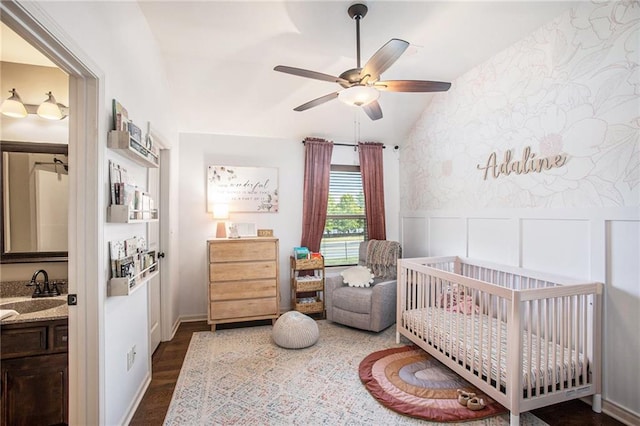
(354, 145)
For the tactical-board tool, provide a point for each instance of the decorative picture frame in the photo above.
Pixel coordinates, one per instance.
(245, 229)
(243, 189)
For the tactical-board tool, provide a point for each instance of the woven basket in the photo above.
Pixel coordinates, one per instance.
(309, 285)
(315, 263)
(310, 308)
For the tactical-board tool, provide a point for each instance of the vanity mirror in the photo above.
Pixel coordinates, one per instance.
(35, 200)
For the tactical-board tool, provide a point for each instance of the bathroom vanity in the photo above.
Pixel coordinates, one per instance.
(34, 363)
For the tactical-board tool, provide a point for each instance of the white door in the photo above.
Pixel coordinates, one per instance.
(153, 236)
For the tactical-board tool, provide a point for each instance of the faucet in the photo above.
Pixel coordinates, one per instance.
(46, 291)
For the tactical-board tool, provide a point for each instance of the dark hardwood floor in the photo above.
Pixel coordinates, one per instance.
(167, 361)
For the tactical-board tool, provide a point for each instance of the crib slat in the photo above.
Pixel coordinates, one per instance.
(556, 333)
(585, 343)
(527, 325)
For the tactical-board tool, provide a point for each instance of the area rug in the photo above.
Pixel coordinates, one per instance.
(240, 377)
(411, 382)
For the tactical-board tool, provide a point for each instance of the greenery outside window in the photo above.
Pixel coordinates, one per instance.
(345, 227)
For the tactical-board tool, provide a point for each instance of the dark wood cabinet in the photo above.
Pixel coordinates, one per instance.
(35, 379)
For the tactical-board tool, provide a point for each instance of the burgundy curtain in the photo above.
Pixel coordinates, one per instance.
(373, 186)
(317, 169)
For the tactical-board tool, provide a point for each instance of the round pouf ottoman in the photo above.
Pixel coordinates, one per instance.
(295, 330)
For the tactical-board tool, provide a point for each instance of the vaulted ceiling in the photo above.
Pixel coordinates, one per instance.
(220, 57)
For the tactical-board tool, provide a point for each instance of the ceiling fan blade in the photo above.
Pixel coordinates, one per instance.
(383, 59)
(310, 74)
(317, 101)
(412, 86)
(373, 110)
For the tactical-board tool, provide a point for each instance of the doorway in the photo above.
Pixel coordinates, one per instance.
(86, 329)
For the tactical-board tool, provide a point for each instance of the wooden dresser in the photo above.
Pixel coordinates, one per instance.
(243, 280)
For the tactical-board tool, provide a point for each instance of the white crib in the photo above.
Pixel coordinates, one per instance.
(525, 338)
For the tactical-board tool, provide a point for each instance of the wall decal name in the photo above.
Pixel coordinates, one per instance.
(528, 164)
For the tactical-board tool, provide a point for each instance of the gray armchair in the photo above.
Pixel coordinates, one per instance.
(369, 308)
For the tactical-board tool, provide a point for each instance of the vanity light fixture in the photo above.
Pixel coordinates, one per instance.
(13, 106)
(49, 109)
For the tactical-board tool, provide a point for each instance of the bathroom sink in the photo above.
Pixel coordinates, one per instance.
(33, 305)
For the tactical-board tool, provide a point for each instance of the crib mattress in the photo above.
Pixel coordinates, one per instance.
(474, 338)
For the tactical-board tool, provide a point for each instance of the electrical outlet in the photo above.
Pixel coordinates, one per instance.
(131, 357)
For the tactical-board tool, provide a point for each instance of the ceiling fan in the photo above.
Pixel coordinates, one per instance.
(362, 84)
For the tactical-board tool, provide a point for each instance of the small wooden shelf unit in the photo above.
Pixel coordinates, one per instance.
(119, 213)
(306, 287)
(132, 149)
(243, 280)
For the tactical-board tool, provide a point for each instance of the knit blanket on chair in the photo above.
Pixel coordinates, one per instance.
(382, 257)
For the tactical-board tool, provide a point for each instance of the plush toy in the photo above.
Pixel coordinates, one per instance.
(455, 300)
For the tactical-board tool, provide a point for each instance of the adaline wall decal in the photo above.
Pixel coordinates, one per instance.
(529, 163)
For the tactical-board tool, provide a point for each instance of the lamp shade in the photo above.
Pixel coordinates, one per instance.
(358, 95)
(13, 106)
(221, 211)
(50, 109)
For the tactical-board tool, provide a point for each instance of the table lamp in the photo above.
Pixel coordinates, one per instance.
(221, 213)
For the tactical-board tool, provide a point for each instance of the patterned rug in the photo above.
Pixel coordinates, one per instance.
(410, 381)
(240, 377)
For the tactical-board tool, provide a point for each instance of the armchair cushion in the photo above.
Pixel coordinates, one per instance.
(357, 276)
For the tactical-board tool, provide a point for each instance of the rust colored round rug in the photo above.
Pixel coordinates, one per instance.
(411, 382)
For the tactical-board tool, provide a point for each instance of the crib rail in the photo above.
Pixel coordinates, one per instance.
(526, 339)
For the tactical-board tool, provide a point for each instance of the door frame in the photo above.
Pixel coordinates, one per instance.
(86, 208)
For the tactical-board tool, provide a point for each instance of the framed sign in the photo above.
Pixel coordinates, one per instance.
(243, 189)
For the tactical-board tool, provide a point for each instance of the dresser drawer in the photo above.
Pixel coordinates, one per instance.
(244, 290)
(236, 271)
(242, 250)
(247, 308)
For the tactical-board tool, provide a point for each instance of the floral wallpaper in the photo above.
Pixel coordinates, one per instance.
(571, 89)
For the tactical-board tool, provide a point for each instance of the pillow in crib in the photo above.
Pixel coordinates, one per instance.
(357, 276)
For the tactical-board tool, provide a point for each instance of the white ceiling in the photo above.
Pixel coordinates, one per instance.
(220, 56)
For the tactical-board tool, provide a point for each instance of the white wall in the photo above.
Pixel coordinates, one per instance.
(197, 151)
(570, 87)
(121, 48)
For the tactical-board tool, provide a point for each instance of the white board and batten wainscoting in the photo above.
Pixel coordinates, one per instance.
(592, 244)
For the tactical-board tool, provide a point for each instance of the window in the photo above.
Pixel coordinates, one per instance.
(346, 225)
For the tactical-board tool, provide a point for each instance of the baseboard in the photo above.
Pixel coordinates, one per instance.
(192, 318)
(174, 329)
(136, 402)
(617, 412)
(620, 414)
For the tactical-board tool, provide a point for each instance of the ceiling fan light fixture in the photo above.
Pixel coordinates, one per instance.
(13, 106)
(358, 95)
(50, 109)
